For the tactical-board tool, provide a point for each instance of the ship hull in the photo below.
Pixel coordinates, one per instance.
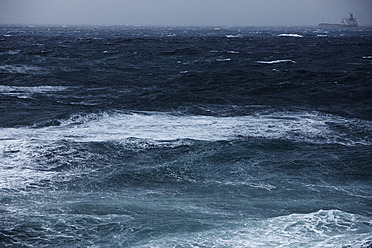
(336, 25)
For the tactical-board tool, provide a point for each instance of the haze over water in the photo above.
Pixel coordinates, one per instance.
(183, 12)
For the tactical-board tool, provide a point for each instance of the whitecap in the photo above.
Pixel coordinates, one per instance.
(367, 57)
(22, 96)
(277, 61)
(31, 89)
(291, 35)
(297, 126)
(16, 168)
(20, 147)
(233, 52)
(27, 92)
(234, 36)
(223, 60)
(324, 228)
(21, 69)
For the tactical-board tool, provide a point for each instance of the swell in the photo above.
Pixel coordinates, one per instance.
(146, 69)
(145, 222)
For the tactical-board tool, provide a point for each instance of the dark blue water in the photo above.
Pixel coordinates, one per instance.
(185, 137)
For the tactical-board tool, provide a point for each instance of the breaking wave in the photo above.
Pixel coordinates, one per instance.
(156, 126)
(145, 130)
(323, 228)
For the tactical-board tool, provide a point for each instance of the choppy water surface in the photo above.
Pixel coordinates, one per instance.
(185, 137)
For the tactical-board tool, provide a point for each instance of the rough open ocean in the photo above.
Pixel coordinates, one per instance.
(132, 136)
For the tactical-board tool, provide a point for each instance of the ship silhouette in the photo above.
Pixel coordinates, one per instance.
(346, 22)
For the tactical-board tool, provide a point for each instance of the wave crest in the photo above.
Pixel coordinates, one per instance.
(323, 228)
(155, 126)
(291, 35)
(21, 69)
(277, 61)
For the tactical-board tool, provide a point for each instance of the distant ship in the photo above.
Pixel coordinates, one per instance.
(346, 22)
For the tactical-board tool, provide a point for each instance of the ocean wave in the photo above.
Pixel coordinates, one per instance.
(233, 52)
(30, 89)
(324, 228)
(23, 92)
(291, 35)
(277, 61)
(12, 52)
(16, 167)
(21, 69)
(223, 60)
(257, 185)
(21, 147)
(156, 126)
(234, 36)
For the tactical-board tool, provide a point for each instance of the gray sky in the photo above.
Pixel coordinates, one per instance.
(183, 12)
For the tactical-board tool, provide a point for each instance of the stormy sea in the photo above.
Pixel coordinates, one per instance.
(135, 136)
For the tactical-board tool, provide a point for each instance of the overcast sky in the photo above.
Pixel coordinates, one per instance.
(183, 12)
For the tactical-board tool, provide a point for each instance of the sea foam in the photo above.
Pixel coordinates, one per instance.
(157, 126)
(323, 228)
